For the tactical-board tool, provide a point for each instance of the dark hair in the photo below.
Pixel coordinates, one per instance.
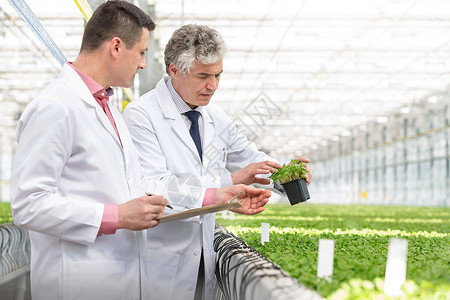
(115, 19)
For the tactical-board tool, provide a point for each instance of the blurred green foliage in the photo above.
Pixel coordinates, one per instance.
(361, 235)
(5, 213)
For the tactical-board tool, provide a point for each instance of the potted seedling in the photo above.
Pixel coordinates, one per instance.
(292, 178)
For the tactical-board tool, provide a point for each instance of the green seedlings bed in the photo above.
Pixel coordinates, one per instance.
(361, 235)
(5, 213)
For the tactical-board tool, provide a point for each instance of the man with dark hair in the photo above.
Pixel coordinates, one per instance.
(121, 19)
(76, 169)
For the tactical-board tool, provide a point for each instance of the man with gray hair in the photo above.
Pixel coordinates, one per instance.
(179, 134)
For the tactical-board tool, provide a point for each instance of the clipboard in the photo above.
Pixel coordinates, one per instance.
(200, 211)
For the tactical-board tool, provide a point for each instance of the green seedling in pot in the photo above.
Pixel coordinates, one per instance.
(293, 170)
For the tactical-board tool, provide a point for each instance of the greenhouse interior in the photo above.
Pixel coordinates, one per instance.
(361, 89)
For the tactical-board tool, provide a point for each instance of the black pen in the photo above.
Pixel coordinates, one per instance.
(168, 206)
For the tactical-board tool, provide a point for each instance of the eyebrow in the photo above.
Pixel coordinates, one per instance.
(208, 74)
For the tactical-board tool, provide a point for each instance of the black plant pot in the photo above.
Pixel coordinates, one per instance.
(296, 191)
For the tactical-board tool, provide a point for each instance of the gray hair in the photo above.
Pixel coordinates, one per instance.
(193, 42)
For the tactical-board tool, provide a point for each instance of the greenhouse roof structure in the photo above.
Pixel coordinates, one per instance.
(297, 75)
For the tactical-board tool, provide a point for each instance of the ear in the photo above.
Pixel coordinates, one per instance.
(115, 46)
(174, 72)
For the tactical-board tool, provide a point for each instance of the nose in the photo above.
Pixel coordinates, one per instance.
(142, 64)
(212, 83)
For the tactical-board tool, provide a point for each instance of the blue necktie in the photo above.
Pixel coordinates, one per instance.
(193, 116)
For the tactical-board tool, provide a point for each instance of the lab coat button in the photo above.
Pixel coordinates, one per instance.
(190, 288)
(196, 252)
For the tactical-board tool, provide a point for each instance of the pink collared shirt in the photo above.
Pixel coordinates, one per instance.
(110, 217)
(100, 95)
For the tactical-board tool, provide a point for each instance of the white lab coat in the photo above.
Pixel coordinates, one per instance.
(167, 151)
(69, 163)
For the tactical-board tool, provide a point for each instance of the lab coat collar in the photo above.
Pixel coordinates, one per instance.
(170, 111)
(168, 108)
(208, 132)
(77, 85)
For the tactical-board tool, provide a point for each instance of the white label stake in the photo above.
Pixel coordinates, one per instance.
(264, 232)
(395, 267)
(326, 257)
(224, 214)
(231, 215)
